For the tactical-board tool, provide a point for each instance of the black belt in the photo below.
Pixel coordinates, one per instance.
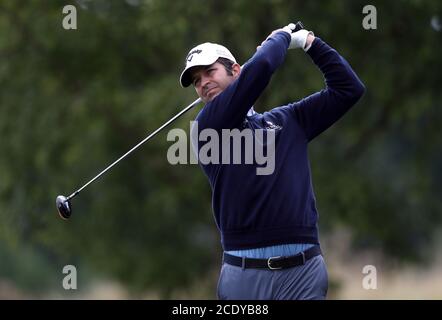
(273, 263)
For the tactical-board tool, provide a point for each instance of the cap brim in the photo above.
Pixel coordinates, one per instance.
(185, 79)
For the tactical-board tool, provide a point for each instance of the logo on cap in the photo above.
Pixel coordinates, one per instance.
(191, 53)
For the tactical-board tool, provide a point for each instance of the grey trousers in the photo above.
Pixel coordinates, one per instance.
(306, 282)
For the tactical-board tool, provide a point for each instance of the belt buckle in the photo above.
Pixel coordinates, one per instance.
(303, 257)
(269, 260)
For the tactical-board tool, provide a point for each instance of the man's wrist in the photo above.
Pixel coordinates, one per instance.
(309, 41)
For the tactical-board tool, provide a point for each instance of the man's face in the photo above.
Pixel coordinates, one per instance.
(210, 81)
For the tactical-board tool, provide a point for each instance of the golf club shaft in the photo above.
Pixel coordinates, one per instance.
(190, 106)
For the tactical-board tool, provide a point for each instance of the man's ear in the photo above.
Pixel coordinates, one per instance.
(236, 69)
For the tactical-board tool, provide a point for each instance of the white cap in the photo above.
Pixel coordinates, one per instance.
(203, 55)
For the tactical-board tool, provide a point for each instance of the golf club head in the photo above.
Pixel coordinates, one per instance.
(64, 207)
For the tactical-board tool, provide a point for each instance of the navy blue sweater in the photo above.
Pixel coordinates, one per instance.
(251, 210)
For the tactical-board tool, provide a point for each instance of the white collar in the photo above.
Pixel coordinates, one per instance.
(251, 112)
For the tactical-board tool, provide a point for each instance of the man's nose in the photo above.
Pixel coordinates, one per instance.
(204, 81)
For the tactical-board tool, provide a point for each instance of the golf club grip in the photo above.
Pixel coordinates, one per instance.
(299, 26)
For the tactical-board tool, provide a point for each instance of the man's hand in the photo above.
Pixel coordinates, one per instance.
(286, 29)
(299, 39)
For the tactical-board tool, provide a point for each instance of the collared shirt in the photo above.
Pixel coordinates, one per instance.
(283, 250)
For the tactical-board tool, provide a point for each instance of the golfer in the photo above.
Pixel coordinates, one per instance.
(268, 223)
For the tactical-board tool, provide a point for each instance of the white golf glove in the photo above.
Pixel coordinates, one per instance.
(299, 38)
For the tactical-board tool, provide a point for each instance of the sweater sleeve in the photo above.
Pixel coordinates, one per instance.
(228, 109)
(320, 110)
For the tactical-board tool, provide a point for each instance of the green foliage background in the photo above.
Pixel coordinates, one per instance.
(72, 101)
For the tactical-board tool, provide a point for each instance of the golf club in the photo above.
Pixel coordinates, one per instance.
(63, 203)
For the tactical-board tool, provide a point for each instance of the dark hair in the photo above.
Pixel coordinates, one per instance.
(227, 65)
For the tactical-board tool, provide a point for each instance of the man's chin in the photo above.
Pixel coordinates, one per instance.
(211, 97)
